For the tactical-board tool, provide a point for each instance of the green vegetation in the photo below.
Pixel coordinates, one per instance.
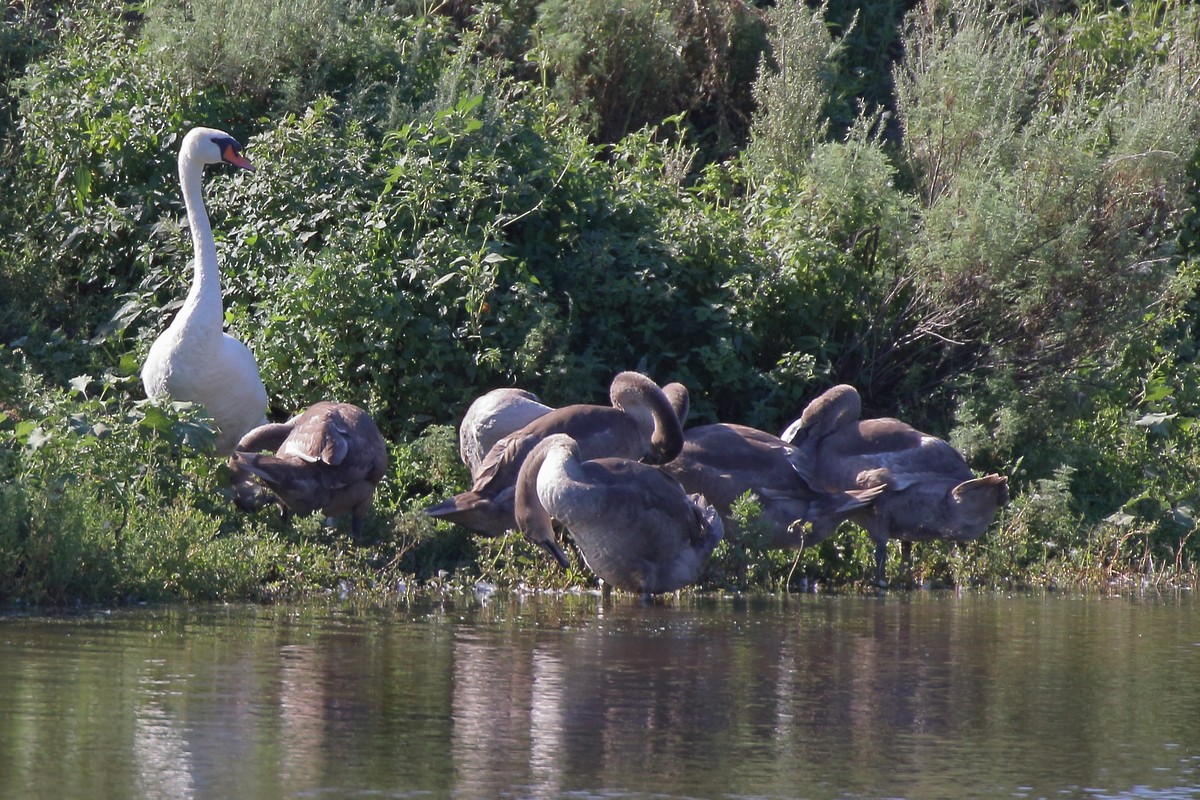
(983, 216)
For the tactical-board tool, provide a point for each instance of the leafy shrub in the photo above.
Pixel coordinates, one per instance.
(459, 252)
(89, 468)
(23, 40)
(430, 219)
(96, 128)
(869, 43)
(620, 63)
(112, 500)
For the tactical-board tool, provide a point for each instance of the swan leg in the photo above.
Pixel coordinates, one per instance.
(881, 562)
(357, 516)
(906, 548)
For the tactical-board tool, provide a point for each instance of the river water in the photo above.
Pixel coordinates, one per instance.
(919, 695)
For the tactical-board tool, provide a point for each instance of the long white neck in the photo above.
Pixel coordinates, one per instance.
(203, 303)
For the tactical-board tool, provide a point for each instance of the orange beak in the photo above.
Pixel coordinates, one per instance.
(237, 159)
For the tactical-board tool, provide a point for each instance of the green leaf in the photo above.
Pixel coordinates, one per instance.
(129, 364)
(79, 423)
(196, 435)
(83, 188)
(1156, 422)
(466, 104)
(119, 321)
(155, 419)
(1183, 514)
(1159, 390)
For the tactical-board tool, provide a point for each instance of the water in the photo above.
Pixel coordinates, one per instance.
(914, 695)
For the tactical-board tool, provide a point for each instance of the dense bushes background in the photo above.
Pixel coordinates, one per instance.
(982, 215)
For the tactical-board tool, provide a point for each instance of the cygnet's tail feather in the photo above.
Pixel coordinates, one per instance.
(710, 522)
(994, 485)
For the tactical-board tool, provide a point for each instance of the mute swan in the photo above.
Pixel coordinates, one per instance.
(724, 461)
(640, 424)
(330, 457)
(635, 525)
(931, 492)
(493, 416)
(194, 359)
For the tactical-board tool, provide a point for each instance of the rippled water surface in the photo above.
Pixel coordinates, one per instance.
(920, 695)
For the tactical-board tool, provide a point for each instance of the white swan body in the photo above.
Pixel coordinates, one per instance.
(194, 360)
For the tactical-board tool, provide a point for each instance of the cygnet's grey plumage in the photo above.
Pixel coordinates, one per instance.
(640, 424)
(677, 395)
(724, 461)
(328, 458)
(635, 525)
(931, 491)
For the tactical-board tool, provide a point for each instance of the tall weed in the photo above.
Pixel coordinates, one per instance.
(1044, 233)
(793, 89)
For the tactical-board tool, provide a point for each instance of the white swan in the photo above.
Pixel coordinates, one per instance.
(194, 360)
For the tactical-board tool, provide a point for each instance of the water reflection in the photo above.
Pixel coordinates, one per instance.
(839, 697)
(919, 695)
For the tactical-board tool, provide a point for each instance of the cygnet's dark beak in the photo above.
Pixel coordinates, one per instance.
(556, 551)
